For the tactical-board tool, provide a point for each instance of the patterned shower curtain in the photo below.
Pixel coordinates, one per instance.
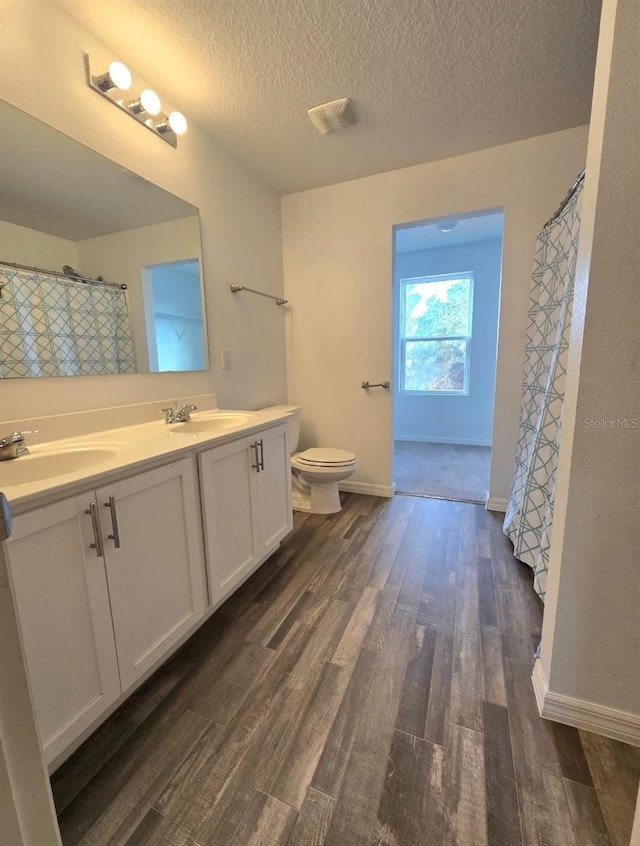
(529, 514)
(50, 326)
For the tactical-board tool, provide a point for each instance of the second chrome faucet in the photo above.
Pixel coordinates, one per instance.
(13, 445)
(180, 415)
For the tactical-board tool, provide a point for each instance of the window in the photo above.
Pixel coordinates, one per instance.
(435, 333)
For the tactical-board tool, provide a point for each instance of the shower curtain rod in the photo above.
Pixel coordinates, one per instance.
(566, 201)
(86, 280)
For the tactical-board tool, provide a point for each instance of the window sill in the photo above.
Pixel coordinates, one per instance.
(434, 393)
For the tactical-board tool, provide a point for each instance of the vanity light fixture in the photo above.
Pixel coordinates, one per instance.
(145, 107)
(147, 102)
(176, 122)
(118, 76)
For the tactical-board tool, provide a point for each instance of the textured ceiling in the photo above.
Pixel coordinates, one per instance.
(470, 229)
(430, 78)
(51, 183)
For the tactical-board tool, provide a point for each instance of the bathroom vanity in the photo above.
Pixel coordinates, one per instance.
(127, 531)
(115, 564)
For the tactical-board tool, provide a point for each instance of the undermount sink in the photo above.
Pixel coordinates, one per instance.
(216, 422)
(45, 464)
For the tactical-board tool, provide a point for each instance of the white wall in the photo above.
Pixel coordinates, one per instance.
(121, 255)
(464, 419)
(338, 277)
(37, 249)
(42, 73)
(591, 633)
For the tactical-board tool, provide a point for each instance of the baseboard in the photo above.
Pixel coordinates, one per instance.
(610, 722)
(366, 488)
(540, 685)
(495, 503)
(427, 439)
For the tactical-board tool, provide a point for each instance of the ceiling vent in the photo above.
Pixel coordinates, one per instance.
(338, 114)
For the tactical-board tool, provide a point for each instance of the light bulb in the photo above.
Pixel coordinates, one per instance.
(120, 75)
(150, 102)
(178, 122)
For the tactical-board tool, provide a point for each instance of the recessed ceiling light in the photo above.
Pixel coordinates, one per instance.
(447, 225)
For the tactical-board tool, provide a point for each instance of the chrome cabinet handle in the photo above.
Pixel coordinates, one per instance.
(261, 442)
(115, 537)
(255, 466)
(95, 522)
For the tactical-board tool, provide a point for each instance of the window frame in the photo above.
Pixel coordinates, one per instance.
(402, 338)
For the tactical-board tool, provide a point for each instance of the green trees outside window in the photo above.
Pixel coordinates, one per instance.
(435, 333)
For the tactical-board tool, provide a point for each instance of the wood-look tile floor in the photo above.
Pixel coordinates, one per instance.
(369, 685)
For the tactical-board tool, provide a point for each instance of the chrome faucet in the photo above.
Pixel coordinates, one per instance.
(182, 415)
(13, 445)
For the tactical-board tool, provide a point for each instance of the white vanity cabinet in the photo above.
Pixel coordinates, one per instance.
(245, 491)
(62, 598)
(152, 538)
(273, 489)
(102, 598)
(108, 582)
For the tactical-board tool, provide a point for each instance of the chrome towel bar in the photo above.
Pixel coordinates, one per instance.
(236, 288)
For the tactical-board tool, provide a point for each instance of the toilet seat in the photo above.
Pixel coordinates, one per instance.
(316, 474)
(326, 457)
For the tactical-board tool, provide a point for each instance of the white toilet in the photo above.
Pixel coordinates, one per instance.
(315, 472)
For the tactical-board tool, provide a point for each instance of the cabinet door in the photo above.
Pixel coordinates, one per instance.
(61, 595)
(273, 484)
(154, 559)
(227, 487)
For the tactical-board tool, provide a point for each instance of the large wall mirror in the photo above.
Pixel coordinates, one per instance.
(100, 270)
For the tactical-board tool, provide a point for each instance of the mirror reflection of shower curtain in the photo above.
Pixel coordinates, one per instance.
(50, 326)
(529, 514)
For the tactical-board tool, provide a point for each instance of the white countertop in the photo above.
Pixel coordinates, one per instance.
(133, 447)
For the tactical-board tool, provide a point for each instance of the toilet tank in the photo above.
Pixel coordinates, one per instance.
(293, 419)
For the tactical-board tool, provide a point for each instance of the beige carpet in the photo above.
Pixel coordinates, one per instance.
(444, 470)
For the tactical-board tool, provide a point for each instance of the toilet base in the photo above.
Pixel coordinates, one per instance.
(322, 498)
(300, 501)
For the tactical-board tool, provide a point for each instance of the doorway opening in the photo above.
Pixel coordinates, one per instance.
(172, 294)
(446, 284)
